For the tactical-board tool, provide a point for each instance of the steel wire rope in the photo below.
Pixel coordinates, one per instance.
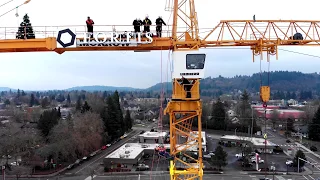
(12, 9)
(160, 113)
(6, 3)
(160, 124)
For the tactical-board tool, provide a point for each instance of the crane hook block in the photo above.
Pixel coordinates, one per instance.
(265, 93)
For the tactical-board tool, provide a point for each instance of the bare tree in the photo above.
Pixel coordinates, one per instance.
(95, 102)
(19, 171)
(80, 139)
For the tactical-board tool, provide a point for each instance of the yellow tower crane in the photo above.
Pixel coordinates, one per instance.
(262, 36)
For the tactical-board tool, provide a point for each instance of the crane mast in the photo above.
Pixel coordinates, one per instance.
(185, 107)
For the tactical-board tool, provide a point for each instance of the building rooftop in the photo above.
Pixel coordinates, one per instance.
(132, 150)
(153, 134)
(253, 140)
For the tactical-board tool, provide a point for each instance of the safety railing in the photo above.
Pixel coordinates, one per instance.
(51, 31)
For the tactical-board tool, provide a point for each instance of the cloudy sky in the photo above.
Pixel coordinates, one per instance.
(41, 71)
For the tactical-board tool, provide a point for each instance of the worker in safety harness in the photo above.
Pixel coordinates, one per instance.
(90, 24)
(146, 23)
(159, 22)
(136, 25)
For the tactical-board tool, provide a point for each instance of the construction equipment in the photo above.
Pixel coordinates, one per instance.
(185, 107)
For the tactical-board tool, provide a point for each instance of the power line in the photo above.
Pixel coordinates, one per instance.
(295, 52)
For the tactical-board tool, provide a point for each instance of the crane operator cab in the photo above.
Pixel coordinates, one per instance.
(188, 69)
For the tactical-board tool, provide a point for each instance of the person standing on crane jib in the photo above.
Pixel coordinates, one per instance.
(90, 24)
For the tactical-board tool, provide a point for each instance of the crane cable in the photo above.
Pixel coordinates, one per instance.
(6, 3)
(26, 2)
(160, 114)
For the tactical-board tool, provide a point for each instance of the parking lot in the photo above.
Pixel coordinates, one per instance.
(278, 160)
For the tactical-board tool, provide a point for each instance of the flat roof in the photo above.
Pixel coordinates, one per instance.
(132, 150)
(194, 134)
(153, 134)
(255, 141)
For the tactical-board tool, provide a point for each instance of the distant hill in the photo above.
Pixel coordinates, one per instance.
(101, 88)
(5, 89)
(279, 81)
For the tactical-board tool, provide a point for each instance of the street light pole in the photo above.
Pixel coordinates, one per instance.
(251, 121)
(235, 131)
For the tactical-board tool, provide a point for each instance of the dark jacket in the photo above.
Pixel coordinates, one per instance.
(159, 22)
(147, 21)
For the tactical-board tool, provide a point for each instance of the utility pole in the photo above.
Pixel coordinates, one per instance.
(265, 140)
(3, 173)
(251, 120)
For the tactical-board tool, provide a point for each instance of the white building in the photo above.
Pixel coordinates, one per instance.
(193, 135)
(152, 137)
(257, 143)
(129, 155)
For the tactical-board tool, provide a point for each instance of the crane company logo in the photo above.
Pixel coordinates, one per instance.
(66, 38)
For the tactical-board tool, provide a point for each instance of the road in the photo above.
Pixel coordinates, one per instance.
(95, 162)
(281, 141)
(165, 176)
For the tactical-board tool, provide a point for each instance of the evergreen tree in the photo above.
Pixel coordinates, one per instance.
(78, 104)
(25, 31)
(37, 94)
(44, 102)
(47, 121)
(18, 93)
(59, 113)
(218, 116)
(220, 157)
(244, 104)
(105, 94)
(32, 100)
(118, 111)
(301, 155)
(85, 107)
(68, 99)
(23, 93)
(128, 120)
(7, 102)
(52, 97)
(83, 96)
(112, 120)
(314, 127)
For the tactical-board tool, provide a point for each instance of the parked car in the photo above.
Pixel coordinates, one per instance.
(313, 148)
(103, 147)
(142, 167)
(289, 162)
(93, 154)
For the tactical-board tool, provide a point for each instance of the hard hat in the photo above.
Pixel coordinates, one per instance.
(160, 16)
(147, 15)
